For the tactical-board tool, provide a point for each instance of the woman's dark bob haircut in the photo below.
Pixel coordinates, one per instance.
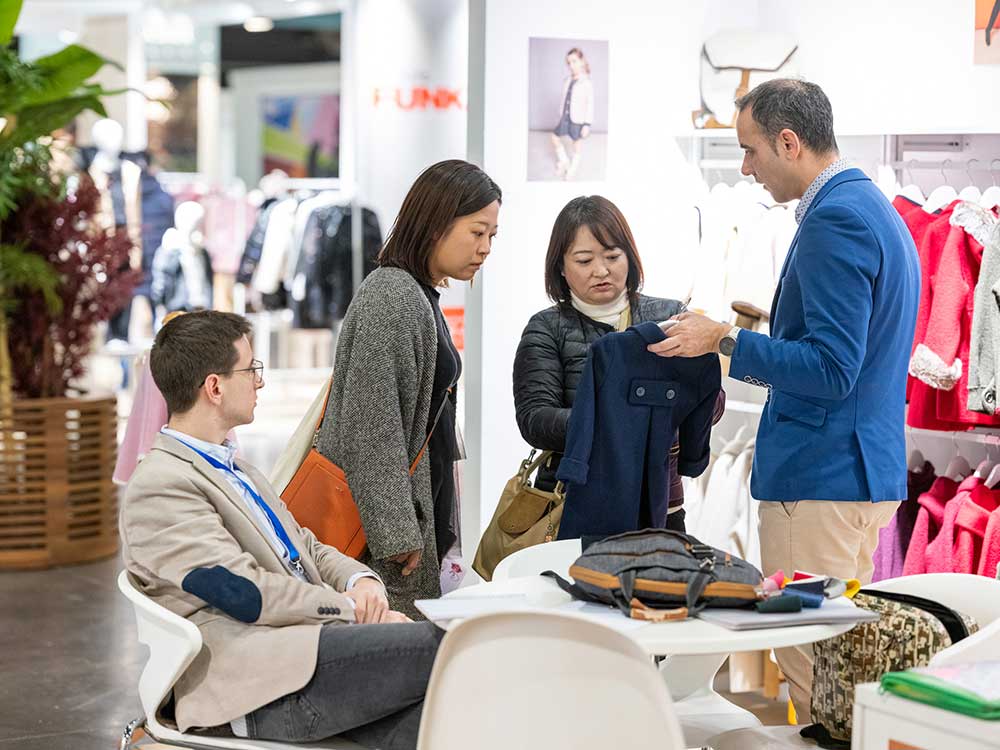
(442, 193)
(608, 226)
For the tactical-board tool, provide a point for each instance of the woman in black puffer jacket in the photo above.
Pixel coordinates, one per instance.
(593, 273)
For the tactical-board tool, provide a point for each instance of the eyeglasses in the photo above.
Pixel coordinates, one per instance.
(256, 367)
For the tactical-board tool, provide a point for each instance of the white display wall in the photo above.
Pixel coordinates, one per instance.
(890, 67)
(411, 63)
(893, 66)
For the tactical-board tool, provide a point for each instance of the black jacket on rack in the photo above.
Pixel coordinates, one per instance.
(255, 244)
(169, 282)
(322, 286)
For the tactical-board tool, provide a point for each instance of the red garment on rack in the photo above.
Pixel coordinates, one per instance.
(950, 261)
(970, 528)
(942, 546)
(929, 518)
(929, 231)
(990, 556)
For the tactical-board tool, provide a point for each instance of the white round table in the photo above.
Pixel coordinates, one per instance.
(695, 652)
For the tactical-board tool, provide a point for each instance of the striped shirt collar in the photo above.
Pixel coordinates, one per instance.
(818, 184)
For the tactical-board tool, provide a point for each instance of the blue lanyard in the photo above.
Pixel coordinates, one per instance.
(293, 554)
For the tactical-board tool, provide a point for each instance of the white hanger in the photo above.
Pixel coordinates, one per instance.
(912, 191)
(970, 192)
(942, 195)
(991, 198)
(994, 478)
(959, 468)
(986, 466)
(916, 460)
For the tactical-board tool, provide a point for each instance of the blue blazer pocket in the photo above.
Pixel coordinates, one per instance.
(789, 408)
(652, 392)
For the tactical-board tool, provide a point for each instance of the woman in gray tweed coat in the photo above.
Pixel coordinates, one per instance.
(395, 375)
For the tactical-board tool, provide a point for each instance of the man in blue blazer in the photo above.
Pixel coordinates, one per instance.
(830, 465)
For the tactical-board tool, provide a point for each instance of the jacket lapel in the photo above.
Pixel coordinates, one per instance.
(281, 511)
(178, 449)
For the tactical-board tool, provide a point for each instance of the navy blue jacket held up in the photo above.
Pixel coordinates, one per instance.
(627, 406)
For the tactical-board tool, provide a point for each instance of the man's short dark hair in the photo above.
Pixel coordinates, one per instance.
(190, 348)
(799, 106)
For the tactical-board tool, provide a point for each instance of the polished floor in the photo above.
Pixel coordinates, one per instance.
(70, 662)
(69, 659)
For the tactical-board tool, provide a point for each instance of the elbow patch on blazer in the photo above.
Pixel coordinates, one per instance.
(235, 595)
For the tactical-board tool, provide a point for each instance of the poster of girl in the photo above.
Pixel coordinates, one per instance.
(567, 109)
(576, 113)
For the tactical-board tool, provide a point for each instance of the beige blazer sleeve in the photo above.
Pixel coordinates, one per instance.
(187, 534)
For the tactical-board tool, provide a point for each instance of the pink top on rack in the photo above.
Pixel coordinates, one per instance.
(990, 556)
(929, 518)
(941, 547)
(970, 528)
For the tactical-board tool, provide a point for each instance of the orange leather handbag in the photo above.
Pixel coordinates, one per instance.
(320, 499)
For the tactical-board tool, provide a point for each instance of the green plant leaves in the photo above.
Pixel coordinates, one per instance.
(63, 73)
(21, 271)
(9, 11)
(40, 120)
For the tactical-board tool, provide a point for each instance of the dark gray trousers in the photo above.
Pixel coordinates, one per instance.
(368, 687)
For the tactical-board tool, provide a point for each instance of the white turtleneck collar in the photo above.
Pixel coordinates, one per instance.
(609, 312)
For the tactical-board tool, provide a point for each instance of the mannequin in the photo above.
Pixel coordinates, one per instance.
(182, 271)
(118, 181)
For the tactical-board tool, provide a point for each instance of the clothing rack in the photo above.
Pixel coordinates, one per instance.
(943, 165)
(316, 183)
(357, 241)
(979, 436)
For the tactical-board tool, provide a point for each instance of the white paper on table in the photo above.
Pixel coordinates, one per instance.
(833, 611)
(601, 613)
(458, 608)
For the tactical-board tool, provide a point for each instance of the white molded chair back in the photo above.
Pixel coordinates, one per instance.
(544, 680)
(531, 561)
(174, 642)
(977, 596)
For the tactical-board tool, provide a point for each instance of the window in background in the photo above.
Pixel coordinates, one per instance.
(172, 114)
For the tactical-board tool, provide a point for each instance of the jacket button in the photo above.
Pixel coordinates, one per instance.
(640, 391)
(746, 378)
(334, 610)
(321, 611)
(671, 393)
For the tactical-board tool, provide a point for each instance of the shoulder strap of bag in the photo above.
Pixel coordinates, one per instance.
(531, 464)
(423, 448)
(427, 440)
(322, 414)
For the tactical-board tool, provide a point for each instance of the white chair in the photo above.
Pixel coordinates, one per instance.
(977, 596)
(530, 561)
(701, 711)
(544, 680)
(173, 643)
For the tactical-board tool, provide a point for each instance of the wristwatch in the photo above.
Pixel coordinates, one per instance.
(727, 344)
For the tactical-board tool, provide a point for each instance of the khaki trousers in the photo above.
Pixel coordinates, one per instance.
(834, 538)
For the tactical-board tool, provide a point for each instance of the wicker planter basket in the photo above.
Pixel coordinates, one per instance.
(58, 504)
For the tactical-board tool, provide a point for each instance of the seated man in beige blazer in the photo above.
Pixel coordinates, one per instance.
(299, 642)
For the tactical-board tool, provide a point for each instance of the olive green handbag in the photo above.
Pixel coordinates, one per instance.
(525, 516)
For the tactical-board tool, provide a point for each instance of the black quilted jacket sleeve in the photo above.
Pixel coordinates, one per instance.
(539, 383)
